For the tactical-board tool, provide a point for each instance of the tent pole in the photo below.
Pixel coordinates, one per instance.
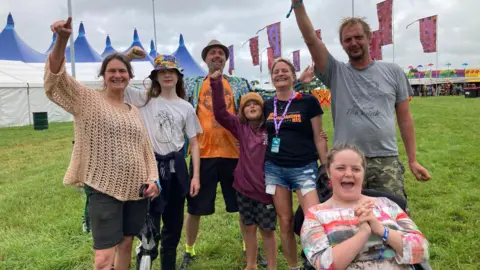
(154, 27)
(72, 47)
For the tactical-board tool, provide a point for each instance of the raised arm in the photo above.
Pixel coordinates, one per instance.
(59, 86)
(317, 48)
(223, 117)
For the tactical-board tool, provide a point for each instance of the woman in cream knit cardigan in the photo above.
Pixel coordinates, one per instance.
(112, 156)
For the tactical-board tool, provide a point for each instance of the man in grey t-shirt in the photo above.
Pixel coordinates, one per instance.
(366, 97)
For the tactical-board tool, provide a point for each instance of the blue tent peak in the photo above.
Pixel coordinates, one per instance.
(181, 42)
(135, 36)
(81, 30)
(108, 48)
(10, 22)
(152, 53)
(185, 60)
(108, 43)
(13, 48)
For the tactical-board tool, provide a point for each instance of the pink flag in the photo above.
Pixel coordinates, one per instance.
(231, 66)
(428, 34)
(254, 50)
(375, 45)
(275, 39)
(384, 13)
(319, 33)
(270, 57)
(296, 60)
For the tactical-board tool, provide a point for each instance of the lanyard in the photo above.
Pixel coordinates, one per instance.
(278, 124)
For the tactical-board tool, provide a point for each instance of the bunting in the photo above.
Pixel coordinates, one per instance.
(384, 13)
(254, 50)
(375, 45)
(275, 39)
(231, 66)
(296, 60)
(271, 57)
(318, 32)
(428, 34)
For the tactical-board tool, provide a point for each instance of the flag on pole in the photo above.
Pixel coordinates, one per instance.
(375, 45)
(254, 50)
(270, 53)
(296, 60)
(318, 32)
(275, 39)
(428, 34)
(231, 66)
(384, 13)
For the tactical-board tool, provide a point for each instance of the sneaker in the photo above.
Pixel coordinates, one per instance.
(187, 259)
(85, 225)
(260, 260)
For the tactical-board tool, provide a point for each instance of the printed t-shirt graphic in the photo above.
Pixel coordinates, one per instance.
(215, 141)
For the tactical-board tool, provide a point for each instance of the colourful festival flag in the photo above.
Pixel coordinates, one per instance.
(375, 45)
(384, 13)
(428, 34)
(296, 60)
(231, 66)
(318, 32)
(275, 39)
(254, 50)
(270, 52)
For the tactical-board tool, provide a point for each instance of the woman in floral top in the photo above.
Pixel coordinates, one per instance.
(353, 231)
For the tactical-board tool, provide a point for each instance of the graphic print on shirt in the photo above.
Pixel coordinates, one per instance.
(363, 101)
(265, 138)
(165, 124)
(207, 103)
(291, 117)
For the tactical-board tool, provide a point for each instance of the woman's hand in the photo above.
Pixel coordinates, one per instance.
(364, 212)
(62, 28)
(151, 191)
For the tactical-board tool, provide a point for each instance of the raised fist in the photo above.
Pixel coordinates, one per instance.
(136, 53)
(216, 74)
(62, 28)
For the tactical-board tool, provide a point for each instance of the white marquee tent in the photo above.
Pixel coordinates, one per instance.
(22, 92)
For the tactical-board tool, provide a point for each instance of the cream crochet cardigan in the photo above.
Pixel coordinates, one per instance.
(112, 152)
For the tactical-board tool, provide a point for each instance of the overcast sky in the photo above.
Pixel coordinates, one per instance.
(235, 21)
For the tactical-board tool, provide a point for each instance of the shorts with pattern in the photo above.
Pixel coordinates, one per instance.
(257, 213)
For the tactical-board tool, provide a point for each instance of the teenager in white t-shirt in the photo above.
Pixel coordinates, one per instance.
(169, 120)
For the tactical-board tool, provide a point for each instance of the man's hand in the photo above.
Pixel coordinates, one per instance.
(194, 186)
(62, 28)
(307, 75)
(136, 53)
(419, 171)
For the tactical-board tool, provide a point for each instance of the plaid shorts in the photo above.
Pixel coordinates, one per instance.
(256, 213)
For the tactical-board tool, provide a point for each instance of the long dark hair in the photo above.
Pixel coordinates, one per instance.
(116, 56)
(156, 89)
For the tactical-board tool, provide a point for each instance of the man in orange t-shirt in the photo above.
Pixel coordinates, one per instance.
(218, 148)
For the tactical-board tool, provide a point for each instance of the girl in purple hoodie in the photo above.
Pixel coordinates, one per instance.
(255, 205)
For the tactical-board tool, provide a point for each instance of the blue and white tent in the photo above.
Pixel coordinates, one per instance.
(136, 42)
(13, 48)
(185, 60)
(84, 53)
(108, 48)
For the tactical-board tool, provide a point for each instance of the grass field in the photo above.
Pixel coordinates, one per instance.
(40, 219)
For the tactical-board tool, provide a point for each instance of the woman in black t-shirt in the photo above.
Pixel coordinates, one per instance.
(294, 125)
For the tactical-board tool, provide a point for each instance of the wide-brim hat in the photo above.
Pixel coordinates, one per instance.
(215, 43)
(165, 62)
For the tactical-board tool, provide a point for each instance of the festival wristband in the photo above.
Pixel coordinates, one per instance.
(385, 234)
(293, 7)
(158, 184)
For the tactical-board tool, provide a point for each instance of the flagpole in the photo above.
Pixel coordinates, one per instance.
(154, 27)
(72, 47)
(393, 29)
(353, 8)
(436, 64)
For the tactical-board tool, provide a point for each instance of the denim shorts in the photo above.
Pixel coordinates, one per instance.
(302, 178)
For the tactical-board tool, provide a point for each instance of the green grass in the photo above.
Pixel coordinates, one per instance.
(40, 218)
